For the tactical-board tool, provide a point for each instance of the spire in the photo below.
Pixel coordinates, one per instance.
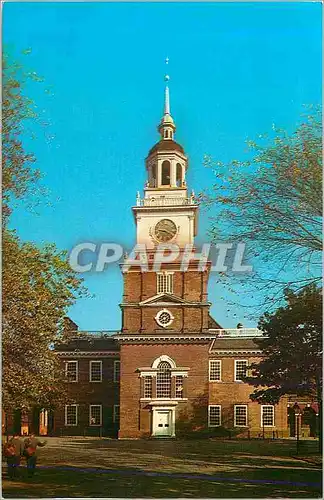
(166, 93)
(166, 100)
(167, 126)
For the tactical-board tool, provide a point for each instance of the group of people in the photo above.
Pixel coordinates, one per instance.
(16, 448)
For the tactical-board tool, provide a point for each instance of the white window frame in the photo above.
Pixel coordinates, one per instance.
(168, 276)
(146, 379)
(90, 370)
(95, 425)
(219, 361)
(175, 384)
(76, 416)
(246, 416)
(114, 413)
(273, 415)
(220, 415)
(116, 363)
(77, 370)
(235, 368)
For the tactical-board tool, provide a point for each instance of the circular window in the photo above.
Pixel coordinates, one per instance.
(164, 318)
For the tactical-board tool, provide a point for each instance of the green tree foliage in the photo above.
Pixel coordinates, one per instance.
(38, 287)
(38, 284)
(292, 348)
(18, 172)
(273, 202)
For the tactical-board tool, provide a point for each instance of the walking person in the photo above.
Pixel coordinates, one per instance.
(30, 452)
(13, 451)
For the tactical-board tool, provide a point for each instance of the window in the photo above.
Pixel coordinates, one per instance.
(147, 387)
(116, 414)
(95, 371)
(166, 173)
(215, 367)
(153, 175)
(71, 371)
(163, 380)
(179, 175)
(164, 282)
(71, 414)
(267, 416)
(240, 369)
(214, 415)
(179, 386)
(95, 415)
(240, 416)
(116, 371)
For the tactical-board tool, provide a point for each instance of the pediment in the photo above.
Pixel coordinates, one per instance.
(163, 299)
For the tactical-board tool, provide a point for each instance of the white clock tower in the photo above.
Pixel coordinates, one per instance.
(166, 214)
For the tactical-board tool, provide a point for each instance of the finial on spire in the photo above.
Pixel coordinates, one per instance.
(167, 126)
(167, 93)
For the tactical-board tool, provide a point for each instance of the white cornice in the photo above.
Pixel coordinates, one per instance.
(89, 354)
(169, 304)
(229, 352)
(160, 336)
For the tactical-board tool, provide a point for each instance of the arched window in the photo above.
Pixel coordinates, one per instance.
(166, 173)
(163, 380)
(153, 175)
(179, 175)
(165, 134)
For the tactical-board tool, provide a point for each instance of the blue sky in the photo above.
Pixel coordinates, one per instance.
(235, 69)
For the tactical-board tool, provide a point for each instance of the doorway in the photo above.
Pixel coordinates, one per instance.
(162, 423)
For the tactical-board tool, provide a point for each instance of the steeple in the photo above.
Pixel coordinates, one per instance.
(167, 126)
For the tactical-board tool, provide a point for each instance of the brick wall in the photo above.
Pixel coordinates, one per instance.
(134, 415)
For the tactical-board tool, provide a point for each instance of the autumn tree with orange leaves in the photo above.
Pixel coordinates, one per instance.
(273, 203)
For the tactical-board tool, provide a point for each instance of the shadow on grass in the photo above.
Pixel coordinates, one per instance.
(68, 482)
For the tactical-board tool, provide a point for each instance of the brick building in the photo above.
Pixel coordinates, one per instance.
(172, 368)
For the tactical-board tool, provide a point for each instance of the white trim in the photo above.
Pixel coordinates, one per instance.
(159, 298)
(114, 413)
(220, 415)
(95, 425)
(246, 414)
(231, 352)
(273, 415)
(162, 358)
(116, 363)
(159, 314)
(169, 280)
(235, 369)
(76, 416)
(90, 371)
(82, 354)
(220, 369)
(77, 370)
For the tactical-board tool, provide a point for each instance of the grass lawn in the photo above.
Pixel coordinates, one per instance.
(86, 467)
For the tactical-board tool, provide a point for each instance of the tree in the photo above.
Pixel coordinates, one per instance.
(38, 284)
(19, 175)
(38, 287)
(292, 348)
(273, 202)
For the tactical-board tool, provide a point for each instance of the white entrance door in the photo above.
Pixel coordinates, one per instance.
(163, 423)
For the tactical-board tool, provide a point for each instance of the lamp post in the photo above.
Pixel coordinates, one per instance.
(297, 415)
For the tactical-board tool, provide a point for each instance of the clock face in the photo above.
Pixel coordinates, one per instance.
(165, 230)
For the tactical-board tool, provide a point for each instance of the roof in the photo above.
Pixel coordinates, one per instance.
(212, 323)
(166, 145)
(221, 343)
(89, 342)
